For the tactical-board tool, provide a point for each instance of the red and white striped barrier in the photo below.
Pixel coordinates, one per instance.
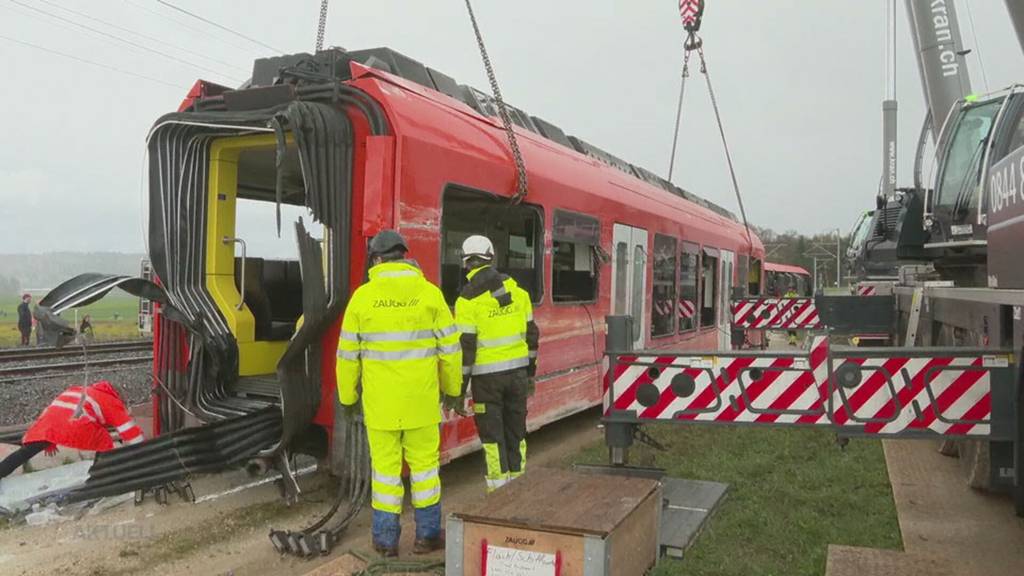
(905, 393)
(865, 290)
(687, 309)
(775, 313)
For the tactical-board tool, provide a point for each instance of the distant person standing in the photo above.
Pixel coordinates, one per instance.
(85, 329)
(792, 293)
(25, 319)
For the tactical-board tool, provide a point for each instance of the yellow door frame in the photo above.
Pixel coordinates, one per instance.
(254, 357)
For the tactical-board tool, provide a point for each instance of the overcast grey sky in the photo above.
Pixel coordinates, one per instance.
(799, 83)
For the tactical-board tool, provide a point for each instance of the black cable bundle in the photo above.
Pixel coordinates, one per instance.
(353, 492)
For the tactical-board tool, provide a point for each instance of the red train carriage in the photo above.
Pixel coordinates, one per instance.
(412, 150)
(779, 278)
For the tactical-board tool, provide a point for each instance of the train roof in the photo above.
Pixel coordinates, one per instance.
(265, 71)
(550, 152)
(788, 268)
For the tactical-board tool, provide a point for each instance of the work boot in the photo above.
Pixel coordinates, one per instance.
(428, 545)
(385, 551)
(429, 536)
(386, 531)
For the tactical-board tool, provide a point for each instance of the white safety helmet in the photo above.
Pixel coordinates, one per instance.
(478, 246)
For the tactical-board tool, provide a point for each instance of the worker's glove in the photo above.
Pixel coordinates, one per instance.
(531, 386)
(456, 403)
(351, 410)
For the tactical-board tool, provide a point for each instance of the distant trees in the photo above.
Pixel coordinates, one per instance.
(9, 286)
(792, 247)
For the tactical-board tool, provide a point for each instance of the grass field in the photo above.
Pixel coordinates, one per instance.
(791, 493)
(120, 306)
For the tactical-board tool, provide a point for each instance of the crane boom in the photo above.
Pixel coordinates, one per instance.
(1016, 10)
(935, 28)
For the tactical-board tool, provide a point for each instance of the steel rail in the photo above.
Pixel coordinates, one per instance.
(19, 354)
(71, 366)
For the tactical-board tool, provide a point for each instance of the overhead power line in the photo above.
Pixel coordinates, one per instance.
(166, 18)
(141, 35)
(120, 39)
(221, 26)
(90, 62)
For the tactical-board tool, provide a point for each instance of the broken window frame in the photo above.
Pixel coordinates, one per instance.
(449, 249)
(588, 238)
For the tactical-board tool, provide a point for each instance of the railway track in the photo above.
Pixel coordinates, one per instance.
(35, 369)
(29, 354)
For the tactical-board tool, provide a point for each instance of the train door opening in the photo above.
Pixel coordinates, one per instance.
(725, 283)
(629, 277)
(253, 272)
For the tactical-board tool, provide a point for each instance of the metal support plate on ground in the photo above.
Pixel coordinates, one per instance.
(689, 505)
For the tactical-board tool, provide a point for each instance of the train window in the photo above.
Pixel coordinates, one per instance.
(663, 302)
(638, 291)
(754, 278)
(573, 264)
(709, 287)
(621, 278)
(689, 277)
(516, 231)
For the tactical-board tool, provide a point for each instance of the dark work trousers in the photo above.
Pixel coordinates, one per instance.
(25, 333)
(20, 456)
(499, 409)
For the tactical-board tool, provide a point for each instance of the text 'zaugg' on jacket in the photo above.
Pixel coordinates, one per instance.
(495, 317)
(399, 340)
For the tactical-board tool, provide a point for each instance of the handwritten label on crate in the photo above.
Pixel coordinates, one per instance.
(511, 562)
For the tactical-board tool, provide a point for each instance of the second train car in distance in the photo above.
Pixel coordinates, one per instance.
(263, 198)
(780, 278)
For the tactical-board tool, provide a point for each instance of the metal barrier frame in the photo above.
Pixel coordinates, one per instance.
(906, 388)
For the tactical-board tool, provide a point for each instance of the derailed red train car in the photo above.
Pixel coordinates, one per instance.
(366, 140)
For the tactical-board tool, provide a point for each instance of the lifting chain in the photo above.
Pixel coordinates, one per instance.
(321, 26)
(506, 119)
(695, 44)
(679, 113)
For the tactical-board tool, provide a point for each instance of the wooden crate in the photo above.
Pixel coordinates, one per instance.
(558, 523)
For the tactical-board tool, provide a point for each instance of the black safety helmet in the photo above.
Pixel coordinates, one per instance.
(387, 241)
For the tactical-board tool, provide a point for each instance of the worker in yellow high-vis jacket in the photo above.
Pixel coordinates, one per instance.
(499, 359)
(791, 334)
(398, 340)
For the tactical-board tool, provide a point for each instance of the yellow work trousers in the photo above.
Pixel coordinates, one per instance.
(420, 448)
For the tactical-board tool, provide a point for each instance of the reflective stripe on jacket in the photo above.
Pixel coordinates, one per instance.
(79, 418)
(399, 341)
(495, 317)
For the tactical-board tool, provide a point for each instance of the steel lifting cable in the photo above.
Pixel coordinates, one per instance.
(679, 113)
(506, 118)
(692, 12)
(725, 143)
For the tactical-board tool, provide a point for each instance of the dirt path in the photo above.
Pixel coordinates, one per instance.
(229, 535)
(947, 527)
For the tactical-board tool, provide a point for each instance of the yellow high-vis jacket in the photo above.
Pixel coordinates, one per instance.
(399, 341)
(495, 317)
